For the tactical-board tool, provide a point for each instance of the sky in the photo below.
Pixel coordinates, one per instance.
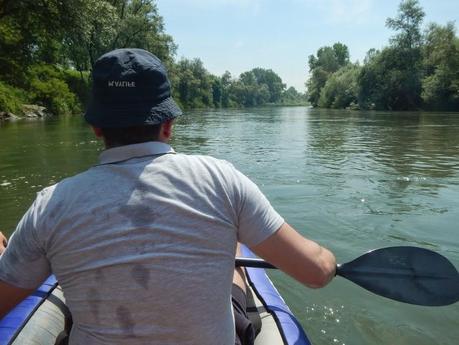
(239, 35)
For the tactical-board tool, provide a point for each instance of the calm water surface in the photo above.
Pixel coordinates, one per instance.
(353, 181)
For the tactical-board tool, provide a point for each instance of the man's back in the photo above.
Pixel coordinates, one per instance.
(144, 247)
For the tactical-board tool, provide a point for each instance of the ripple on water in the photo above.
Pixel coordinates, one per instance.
(357, 325)
(5, 183)
(330, 322)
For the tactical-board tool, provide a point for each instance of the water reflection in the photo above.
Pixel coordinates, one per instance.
(394, 152)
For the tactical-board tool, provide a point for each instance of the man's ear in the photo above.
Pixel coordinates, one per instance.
(97, 131)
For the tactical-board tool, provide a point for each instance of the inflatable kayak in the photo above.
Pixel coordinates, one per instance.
(43, 318)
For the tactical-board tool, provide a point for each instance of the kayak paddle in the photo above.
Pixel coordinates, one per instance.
(407, 274)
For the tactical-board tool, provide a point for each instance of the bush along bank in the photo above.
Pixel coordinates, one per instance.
(48, 91)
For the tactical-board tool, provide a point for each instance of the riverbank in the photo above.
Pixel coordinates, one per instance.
(28, 111)
(45, 90)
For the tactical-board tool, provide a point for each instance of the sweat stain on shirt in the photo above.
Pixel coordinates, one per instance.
(125, 320)
(141, 275)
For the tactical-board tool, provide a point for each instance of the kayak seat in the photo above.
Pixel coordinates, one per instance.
(253, 313)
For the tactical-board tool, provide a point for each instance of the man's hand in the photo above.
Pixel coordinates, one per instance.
(3, 243)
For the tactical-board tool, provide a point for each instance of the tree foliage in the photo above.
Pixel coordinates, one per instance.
(47, 87)
(274, 84)
(415, 70)
(30, 32)
(391, 78)
(195, 87)
(11, 98)
(193, 84)
(124, 23)
(292, 97)
(386, 82)
(407, 24)
(70, 35)
(341, 89)
(321, 67)
(440, 85)
(257, 87)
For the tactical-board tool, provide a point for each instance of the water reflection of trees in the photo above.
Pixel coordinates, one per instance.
(328, 134)
(400, 145)
(415, 145)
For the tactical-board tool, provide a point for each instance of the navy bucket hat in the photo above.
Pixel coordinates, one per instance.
(130, 88)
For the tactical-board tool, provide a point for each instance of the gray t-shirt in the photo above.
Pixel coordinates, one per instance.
(143, 245)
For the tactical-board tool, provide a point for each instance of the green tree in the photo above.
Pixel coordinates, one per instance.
(292, 97)
(11, 98)
(407, 23)
(93, 34)
(341, 53)
(272, 81)
(328, 61)
(226, 82)
(341, 89)
(383, 82)
(48, 88)
(217, 91)
(194, 88)
(30, 32)
(247, 92)
(256, 87)
(440, 85)
(391, 79)
(124, 23)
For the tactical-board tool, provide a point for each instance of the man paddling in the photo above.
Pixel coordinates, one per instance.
(143, 243)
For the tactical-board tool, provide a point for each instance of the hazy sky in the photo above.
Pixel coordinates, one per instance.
(238, 35)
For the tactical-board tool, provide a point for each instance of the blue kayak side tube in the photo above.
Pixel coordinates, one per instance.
(292, 331)
(12, 324)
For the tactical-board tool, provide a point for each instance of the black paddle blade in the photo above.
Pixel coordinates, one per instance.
(406, 274)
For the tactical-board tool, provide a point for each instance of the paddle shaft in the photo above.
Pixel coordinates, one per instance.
(260, 263)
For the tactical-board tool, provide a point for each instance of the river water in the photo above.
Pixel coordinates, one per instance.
(353, 181)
